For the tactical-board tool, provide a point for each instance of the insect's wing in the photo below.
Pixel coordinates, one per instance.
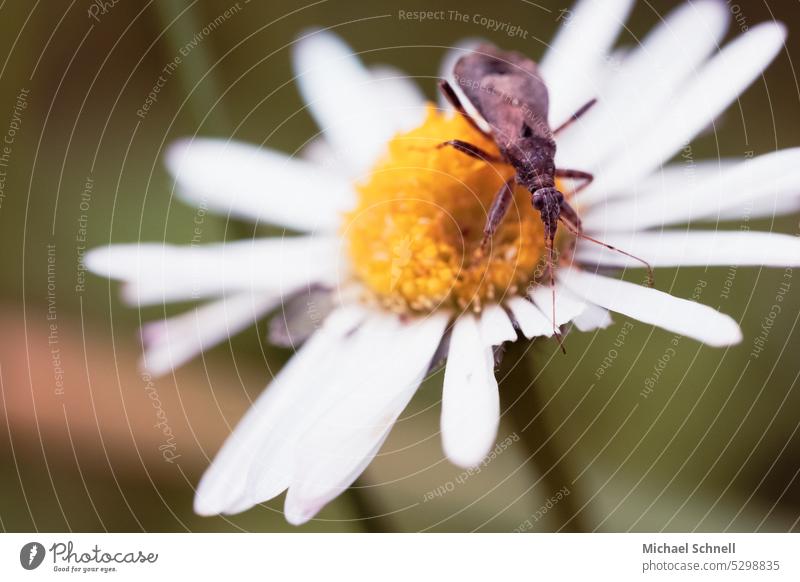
(505, 87)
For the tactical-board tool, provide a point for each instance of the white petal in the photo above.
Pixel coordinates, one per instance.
(400, 95)
(652, 306)
(329, 377)
(585, 36)
(172, 342)
(656, 69)
(399, 92)
(567, 307)
(707, 95)
(496, 327)
(766, 177)
(158, 273)
(695, 248)
(344, 99)
(470, 400)
(593, 317)
(767, 207)
(300, 315)
(298, 511)
(361, 409)
(222, 488)
(319, 152)
(532, 322)
(677, 177)
(258, 184)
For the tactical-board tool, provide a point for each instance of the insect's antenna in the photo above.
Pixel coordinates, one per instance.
(577, 232)
(551, 260)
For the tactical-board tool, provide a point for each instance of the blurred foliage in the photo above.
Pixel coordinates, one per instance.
(713, 447)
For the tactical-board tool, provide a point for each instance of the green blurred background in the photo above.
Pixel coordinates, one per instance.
(713, 447)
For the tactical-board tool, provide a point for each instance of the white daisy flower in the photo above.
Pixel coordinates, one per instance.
(392, 246)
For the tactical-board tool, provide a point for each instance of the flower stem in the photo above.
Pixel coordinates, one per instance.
(370, 517)
(196, 70)
(525, 409)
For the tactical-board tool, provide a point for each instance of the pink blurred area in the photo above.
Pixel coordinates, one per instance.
(80, 418)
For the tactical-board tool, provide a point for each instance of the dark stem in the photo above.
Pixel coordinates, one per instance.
(370, 515)
(198, 77)
(525, 409)
(200, 80)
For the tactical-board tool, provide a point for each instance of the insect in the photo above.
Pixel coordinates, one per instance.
(505, 88)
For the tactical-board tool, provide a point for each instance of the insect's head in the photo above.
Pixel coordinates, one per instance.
(548, 202)
(546, 197)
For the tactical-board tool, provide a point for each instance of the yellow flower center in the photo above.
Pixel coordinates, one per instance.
(414, 237)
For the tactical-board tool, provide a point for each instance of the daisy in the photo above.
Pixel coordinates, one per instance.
(389, 278)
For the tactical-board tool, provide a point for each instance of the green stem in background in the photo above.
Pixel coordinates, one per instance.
(525, 409)
(194, 72)
(366, 508)
(197, 75)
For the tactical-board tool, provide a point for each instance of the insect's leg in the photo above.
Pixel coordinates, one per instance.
(502, 200)
(451, 96)
(578, 232)
(575, 175)
(471, 150)
(575, 117)
(568, 213)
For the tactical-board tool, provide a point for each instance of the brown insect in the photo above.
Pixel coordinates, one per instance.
(507, 91)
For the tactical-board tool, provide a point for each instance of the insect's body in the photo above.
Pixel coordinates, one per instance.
(505, 88)
(508, 92)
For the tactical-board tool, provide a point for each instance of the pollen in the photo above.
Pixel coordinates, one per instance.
(414, 237)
